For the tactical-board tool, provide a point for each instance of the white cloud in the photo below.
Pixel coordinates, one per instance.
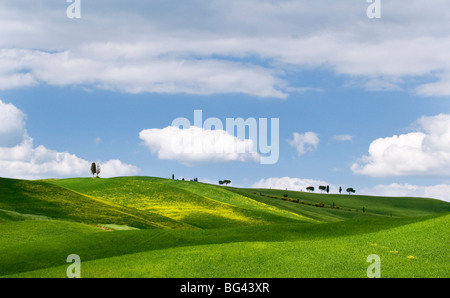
(304, 142)
(297, 184)
(343, 138)
(199, 50)
(440, 191)
(197, 145)
(441, 87)
(115, 167)
(19, 158)
(425, 152)
(24, 161)
(12, 128)
(121, 71)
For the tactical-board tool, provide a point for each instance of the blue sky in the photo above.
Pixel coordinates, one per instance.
(81, 90)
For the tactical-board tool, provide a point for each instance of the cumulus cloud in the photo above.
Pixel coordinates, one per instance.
(19, 158)
(304, 142)
(297, 184)
(425, 152)
(195, 145)
(12, 128)
(115, 167)
(25, 161)
(440, 191)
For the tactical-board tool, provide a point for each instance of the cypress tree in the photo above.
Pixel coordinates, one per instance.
(93, 169)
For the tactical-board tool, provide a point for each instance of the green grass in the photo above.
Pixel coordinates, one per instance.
(29, 231)
(153, 227)
(326, 250)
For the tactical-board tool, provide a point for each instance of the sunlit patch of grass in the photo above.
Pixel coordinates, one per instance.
(197, 204)
(113, 227)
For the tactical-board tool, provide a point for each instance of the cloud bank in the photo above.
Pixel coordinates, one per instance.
(211, 47)
(19, 158)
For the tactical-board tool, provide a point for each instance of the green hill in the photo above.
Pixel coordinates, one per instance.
(191, 203)
(23, 199)
(154, 227)
(338, 207)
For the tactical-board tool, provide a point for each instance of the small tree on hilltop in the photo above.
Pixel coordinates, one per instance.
(98, 170)
(350, 190)
(227, 182)
(93, 169)
(322, 188)
(310, 188)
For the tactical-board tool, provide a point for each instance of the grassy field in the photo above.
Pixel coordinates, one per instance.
(154, 227)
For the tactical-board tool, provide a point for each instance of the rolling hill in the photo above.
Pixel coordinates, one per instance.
(189, 203)
(142, 226)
